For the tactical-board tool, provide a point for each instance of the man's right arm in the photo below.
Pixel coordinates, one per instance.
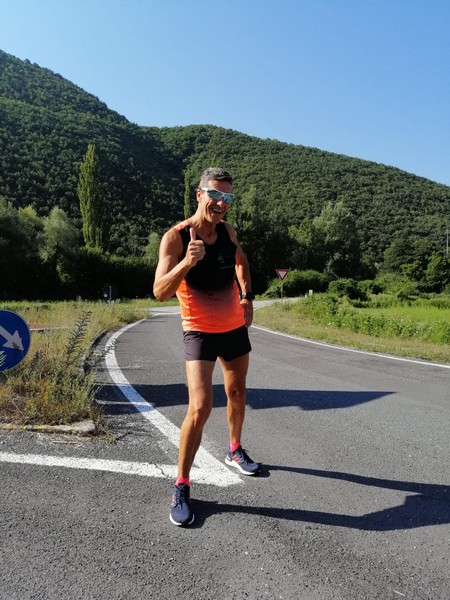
(171, 270)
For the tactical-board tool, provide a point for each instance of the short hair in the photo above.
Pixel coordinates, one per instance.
(216, 173)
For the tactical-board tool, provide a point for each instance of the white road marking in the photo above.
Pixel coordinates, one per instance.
(201, 475)
(343, 348)
(219, 474)
(206, 469)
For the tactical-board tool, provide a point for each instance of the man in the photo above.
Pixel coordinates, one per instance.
(200, 260)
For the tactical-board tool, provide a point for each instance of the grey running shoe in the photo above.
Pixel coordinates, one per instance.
(181, 513)
(242, 462)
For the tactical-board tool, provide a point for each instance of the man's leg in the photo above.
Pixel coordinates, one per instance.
(199, 379)
(235, 374)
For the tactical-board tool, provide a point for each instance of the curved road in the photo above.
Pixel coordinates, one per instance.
(353, 501)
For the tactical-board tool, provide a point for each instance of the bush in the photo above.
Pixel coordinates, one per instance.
(298, 283)
(370, 286)
(86, 273)
(347, 288)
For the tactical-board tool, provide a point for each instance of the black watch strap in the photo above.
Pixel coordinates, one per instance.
(248, 296)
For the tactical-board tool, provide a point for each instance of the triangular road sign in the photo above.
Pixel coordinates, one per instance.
(282, 273)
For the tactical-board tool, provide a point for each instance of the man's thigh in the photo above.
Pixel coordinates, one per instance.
(235, 372)
(199, 379)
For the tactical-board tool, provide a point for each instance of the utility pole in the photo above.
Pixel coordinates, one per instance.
(446, 249)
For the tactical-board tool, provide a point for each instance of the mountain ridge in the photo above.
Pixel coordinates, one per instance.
(48, 122)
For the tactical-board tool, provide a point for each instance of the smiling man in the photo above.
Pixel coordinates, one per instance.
(201, 261)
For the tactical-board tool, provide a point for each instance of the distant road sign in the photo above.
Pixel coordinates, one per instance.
(282, 273)
(14, 339)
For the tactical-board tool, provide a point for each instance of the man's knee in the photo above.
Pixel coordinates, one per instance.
(236, 394)
(199, 415)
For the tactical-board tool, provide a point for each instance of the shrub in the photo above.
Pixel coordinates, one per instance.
(347, 288)
(298, 283)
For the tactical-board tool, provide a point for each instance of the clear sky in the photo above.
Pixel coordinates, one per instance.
(365, 78)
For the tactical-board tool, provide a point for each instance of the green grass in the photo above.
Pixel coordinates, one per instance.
(416, 329)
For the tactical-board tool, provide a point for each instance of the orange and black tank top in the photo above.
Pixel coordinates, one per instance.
(209, 295)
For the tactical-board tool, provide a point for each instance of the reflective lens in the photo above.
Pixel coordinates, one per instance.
(217, 195)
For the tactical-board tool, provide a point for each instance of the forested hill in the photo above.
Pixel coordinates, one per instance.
(282, 189)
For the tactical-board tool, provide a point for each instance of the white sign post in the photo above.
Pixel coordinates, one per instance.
(282, 274)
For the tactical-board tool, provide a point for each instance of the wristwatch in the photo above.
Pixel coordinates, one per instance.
(248, 296)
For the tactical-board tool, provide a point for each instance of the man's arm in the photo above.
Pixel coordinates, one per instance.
(171, 270)
(243, 276)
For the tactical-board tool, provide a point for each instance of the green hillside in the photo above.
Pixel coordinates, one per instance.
(297, 207)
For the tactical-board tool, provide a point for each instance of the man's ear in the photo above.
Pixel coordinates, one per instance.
(198, 193)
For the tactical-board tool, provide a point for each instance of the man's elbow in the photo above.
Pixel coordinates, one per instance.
(158, 293)
(160, 297)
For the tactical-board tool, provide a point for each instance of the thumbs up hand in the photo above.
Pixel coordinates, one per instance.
(195, 250)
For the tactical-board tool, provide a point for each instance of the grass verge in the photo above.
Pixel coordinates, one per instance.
(398, 330)
(54, 384)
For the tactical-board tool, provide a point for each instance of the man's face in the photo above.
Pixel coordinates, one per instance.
(214, 211)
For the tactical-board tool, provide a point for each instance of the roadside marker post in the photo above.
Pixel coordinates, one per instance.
(282, 274)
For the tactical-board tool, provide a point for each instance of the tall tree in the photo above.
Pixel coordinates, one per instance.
(90, 198)
(187, 192)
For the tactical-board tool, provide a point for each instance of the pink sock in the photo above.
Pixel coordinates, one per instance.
(234, 445)
(185, 480)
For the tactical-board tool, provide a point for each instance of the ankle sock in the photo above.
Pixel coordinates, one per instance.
(185, 480)
(234, 446)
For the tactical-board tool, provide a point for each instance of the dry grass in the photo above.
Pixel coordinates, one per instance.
(55, 382)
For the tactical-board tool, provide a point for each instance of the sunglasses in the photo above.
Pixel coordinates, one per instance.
(216, 195)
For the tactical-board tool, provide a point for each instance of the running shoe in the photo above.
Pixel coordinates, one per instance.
(181, 513)
(242, 462)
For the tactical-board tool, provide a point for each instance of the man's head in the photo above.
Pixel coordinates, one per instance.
(214, 174)
(214, 194)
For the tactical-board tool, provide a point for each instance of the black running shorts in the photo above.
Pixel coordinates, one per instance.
(208, 346)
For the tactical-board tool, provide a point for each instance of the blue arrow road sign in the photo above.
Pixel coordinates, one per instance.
(14, 339)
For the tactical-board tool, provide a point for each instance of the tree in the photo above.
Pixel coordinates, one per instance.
(60, 234)
(437, 273)
(32, 226)
(152, 250)
(335, 239)
(19, 258)
(90, 198)
(187, 193)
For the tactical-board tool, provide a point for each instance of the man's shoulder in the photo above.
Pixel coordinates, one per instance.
(180, 226)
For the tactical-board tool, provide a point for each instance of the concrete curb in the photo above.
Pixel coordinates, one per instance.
(82, 428)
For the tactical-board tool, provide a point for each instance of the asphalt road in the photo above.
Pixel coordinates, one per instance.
(353, 501)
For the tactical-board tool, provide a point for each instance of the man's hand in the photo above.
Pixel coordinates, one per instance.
(248, 311)
(195, 250)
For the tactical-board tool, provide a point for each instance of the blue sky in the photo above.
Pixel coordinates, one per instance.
(364, 78)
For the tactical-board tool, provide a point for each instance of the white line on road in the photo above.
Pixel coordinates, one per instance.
(343, 348)
(218, 474)
(206, 469)
(205, 476)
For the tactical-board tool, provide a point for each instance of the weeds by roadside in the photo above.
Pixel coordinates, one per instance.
(55, 382)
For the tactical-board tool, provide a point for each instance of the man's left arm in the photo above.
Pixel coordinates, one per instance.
(243, 277)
